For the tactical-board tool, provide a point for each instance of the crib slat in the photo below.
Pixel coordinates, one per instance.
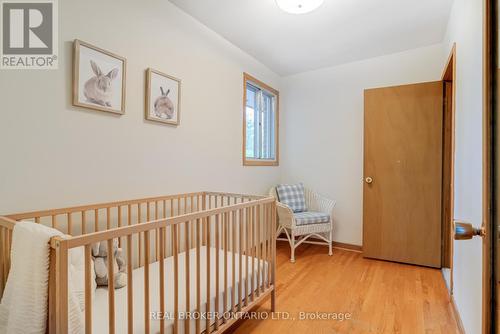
(264, 246)
(130, 285)
(258, 250)
(179, 206)
(120, 219)
(37, 220)
(207, 225)
(108, 218)
(270, 237)
(172, 213)
(217, 247)
(5, 255)
(54, 223)
(162, 282)
(96, 220)
(88, 289)
(198, 287)
(252, 250)
(3, 258)
(157, 242)
(247, 236)
(233, 264)
(187, 328)
(240, 269)
(164, 244)
(204, 207)
(111, 288)
(176, 279)
(192, 238)
(148, 211)
(84, 223)
(273, 264)
(119, 208)
(70, 223)
(139, 235)
(148, 218)
(129, 215)
(9, 246)
(225, 235)
(146, 282)
(267, 228)
(8, 234)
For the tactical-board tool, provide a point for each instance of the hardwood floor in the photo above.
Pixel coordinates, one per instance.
(382, 297)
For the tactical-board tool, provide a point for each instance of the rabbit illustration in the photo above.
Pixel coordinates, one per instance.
(163, 107)
(98, 89)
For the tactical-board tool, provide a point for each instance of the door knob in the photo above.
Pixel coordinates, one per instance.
(368, 180)
(465, 231)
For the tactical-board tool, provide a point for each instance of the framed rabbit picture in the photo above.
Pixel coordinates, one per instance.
(162, 97)
(98, 78)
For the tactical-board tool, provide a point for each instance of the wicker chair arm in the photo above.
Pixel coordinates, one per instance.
(321, 203)
(285, 215)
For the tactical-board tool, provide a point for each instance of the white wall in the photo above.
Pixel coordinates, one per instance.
(53, 154)
(465, 28)
(323, 126)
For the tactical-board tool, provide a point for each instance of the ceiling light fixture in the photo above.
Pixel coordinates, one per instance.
(299, 6)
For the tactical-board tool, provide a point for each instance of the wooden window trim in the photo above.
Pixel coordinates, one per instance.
(260, 162)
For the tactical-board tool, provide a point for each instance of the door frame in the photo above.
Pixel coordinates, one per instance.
(491, 153)
(449, 75)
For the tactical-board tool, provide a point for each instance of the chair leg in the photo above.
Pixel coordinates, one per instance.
(330, 242)
(279, 230)
(292, 247)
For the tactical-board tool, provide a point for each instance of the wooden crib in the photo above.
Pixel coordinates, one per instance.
(205, 252)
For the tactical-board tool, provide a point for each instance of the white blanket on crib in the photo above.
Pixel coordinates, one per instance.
(23, 308)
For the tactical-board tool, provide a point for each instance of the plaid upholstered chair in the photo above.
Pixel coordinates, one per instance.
(302, 214)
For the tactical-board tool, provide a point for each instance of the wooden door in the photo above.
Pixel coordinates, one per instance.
(403, 131)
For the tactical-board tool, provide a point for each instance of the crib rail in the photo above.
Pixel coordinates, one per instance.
(84, 219)
(94, 217)
(237, 232)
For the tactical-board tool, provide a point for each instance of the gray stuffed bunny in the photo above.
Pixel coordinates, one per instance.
(100, 255)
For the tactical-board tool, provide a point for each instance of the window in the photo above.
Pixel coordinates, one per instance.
(260, 123)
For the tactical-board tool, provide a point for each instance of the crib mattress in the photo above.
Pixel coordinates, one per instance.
(100, 302)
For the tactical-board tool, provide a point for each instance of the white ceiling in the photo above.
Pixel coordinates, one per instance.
(340, 31)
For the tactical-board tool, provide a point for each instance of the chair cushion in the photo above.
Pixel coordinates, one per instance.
(293, 196)
(310, 217)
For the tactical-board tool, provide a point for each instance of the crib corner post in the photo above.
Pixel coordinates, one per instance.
(60, 274)
(51, 319)
(273, 268)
